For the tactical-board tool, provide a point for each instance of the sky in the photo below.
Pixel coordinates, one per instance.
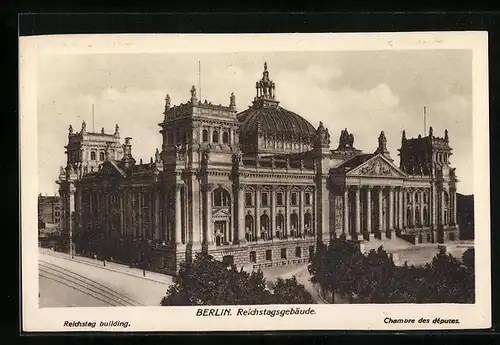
(363, 91)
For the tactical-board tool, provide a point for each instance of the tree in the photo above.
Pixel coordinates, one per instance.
(289, 291)
(207, 281)
(374, 278)
(338, 267)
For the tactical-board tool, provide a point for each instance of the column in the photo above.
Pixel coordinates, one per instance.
(391, 209)
(454, 193)
(122, 211)
(241, 215)
(358, 211)
(140, 215)
(71, 211)
(209, 232)
(405, 204)
(157, 215)
(178, 220)
(346, 210)
(380, 207)
(413, 208)
(400, 208)
(273, 211)
(257, 211)
(368, 209)
(442, 207)
(421, 215)
(287, 211)
(301, 212)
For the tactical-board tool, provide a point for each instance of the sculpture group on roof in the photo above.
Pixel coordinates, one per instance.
(346, 140)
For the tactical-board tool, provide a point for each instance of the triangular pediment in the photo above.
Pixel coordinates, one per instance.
(377, 166)
(221, 214)
(111, 169)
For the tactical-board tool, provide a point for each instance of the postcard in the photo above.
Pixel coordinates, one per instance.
(255, 182)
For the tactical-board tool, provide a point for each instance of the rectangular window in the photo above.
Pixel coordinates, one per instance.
(265, 199)
(248, 199)
(253, 257)
(283, 253)
(308, 198)
(269, 255)
(294, 199)
(298, 252)
(311, 252)
(279, 199)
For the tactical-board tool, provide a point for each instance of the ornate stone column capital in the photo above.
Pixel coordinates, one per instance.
(368, 187)
(178, 186)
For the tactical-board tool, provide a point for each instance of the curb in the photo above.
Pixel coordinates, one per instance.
(108, 268)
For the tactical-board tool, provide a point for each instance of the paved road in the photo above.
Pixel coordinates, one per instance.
(67, 282)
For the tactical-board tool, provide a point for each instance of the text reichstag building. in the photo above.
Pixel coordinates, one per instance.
(261, 186)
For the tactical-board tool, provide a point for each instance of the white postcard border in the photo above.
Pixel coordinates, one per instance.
(326, 317)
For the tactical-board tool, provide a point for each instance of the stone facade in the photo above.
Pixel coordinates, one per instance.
(261, 187)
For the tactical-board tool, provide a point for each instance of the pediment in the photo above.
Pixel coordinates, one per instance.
(110, 169)
(221, 214)
(377, 166)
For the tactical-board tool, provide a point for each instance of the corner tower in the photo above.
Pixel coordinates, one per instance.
(199, 141)
(429, 157)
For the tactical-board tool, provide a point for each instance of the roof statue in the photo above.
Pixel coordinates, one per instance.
(403, 136)
(446, 135)
(102, 130)
(157, 156)
(346, 140)
(322, 135)
(431, 132)
(70, 130)
(117, 130)
(382, 145)
(193, 94)
(84, 127)
(382, 142)
(167, 102)
(232, 101)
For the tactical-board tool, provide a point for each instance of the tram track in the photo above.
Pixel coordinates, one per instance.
(85, 285)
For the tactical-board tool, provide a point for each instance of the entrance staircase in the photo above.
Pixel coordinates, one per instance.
(390, 245)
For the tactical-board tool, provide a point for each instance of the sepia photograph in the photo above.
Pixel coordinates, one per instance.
(290, 181)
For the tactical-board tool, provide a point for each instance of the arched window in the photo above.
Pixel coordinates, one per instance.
(280, 221)
(204, 136)
(426, 216)
(264, 226)
(294, 219)
(215, 137)
(101, 156)
(280, 225)
(409, 218)
(308, 221)
(92, 156)
(225, 138)
(221, 197)
(249, 228)
(417, 219)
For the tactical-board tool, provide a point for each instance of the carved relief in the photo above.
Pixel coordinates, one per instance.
(377, 168)
(338, 212)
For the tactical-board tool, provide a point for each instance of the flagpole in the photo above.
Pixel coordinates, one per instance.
(93, 128)
(425, 120)
(199, 78)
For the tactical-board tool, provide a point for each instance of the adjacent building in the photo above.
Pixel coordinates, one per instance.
(49, 213)
(261, 186)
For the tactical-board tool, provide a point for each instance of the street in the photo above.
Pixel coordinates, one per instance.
(83, 282)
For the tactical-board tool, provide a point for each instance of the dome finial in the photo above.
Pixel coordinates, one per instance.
(265, 66)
